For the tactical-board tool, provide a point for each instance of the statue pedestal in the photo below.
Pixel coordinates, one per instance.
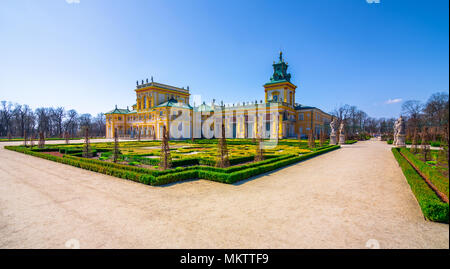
(341, 139)
(333, 140)
(401, 141)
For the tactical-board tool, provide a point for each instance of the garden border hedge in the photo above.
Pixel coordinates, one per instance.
(438, 180)
(154, 177)
(431, 205)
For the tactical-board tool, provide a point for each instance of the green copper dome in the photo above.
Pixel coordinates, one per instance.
(280, 71)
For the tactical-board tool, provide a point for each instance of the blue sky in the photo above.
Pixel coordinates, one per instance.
(88, 55)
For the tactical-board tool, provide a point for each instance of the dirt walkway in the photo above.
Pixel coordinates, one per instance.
(338, 200)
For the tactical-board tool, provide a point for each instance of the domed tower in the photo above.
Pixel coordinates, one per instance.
(279, 88)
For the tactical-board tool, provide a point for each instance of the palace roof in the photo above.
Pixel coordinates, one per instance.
(174, 103)
(119, 111)
(204, 108)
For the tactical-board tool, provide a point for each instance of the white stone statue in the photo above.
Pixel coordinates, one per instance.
(342, 128)
(401, 126)
(401, 133)
(333, 126)
(342, 133)
(395, 133)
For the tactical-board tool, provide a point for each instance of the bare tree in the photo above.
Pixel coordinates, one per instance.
(412, 109)
(32, 140)
(222, 160)
(311, 142)
(57, 117)
(414, 141)
(71, 122)
(5, 118)
(66, 137)
(87, 145)
(41, 140)
(322, 138)
(21, 115)
(165, 158)
(43, 120)
(436, 112)
(259, 156)
(425, 146)
(116, 146)
(25, 138)
(445, 141)
(99, 124)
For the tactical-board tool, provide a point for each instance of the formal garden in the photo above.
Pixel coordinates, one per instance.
(163, 162)
(426, 171)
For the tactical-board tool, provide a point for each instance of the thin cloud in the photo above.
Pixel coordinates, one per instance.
(393, 101)
(72, 1)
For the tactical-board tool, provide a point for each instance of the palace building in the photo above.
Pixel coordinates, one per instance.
(159, 105)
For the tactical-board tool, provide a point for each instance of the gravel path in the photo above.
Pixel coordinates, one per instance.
(339, 200)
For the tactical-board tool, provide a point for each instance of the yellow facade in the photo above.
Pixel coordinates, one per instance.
(159, 104)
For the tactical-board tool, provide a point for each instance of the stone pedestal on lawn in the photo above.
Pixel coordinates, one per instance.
(401, 141)
(333, 140)
(341, 139)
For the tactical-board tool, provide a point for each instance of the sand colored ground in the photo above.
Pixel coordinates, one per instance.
(339, 200)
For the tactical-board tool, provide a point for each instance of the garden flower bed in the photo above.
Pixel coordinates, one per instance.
(185, 167)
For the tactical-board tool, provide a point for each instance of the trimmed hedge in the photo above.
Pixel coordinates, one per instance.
(46, 139)
(91, 166)
(192, 161)
(434, 176)
(155, 177)
(432, 206)
(419, 142)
